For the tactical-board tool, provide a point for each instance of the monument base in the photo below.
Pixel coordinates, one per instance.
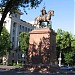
(42, 46)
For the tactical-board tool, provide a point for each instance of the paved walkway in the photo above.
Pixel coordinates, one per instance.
(7, 67)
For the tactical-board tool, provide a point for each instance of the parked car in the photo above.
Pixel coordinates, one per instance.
(68, 68)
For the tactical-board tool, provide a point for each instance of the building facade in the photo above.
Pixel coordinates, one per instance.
(15, 26)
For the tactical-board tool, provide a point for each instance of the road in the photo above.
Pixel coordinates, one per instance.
(9, 70)
(17, 72)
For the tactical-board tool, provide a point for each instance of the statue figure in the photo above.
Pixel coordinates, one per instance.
(43, 11)
(45, 17)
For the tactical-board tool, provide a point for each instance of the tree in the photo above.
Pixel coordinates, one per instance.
(63, 43)
(73, 48)
(63, 39)
(68, 57)
(24, 42)
(4, 42)
(73, 43)
(12, 5)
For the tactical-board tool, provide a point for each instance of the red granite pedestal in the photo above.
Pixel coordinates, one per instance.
(42, 46)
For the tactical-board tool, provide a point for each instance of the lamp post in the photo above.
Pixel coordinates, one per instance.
(59, 59)
(23, 55)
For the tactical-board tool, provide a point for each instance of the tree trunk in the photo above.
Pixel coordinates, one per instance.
(8, 7)
(1, 26)
(2, 21)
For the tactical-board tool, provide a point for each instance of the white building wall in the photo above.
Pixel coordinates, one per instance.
(8, 23)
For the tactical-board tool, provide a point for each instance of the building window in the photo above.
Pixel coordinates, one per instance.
(25, 28)
(12, 54)
(16, 15)
(21, 55)
(18, 56)
(20, 26)
(28, 29)
(12, 45)
(13, 31)
(14, 24)
(12, 39)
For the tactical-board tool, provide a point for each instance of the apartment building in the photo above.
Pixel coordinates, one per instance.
(15, 26)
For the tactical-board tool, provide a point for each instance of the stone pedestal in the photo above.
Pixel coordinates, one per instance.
(42, 46)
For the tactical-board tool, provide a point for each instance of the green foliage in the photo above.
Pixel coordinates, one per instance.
(65, 42)
(4, 42)
(15, 4)
(24, 41)
(68, 57)
(14, 64)
(19, 64)
(63, 39)
(73, 43)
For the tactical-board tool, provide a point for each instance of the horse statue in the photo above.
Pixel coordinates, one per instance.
(44, 18)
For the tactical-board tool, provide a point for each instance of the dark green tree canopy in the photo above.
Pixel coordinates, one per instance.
(4, 42)
(12, 5)
(20, 3)
(65, 42)
(68, 57)
(24, 41)
(63, 39)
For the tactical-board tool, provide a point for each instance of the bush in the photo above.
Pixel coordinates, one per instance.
(14, 64)
(10, 64)
(19, 64)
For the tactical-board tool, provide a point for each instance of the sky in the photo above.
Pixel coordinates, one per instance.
(74, 17)
(63, 14)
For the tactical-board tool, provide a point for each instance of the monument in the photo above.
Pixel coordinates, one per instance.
(42, 42)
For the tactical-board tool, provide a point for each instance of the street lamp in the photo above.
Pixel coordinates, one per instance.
(60, 59)
(23, 55)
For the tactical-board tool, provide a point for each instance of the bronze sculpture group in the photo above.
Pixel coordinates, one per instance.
(44, 17)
